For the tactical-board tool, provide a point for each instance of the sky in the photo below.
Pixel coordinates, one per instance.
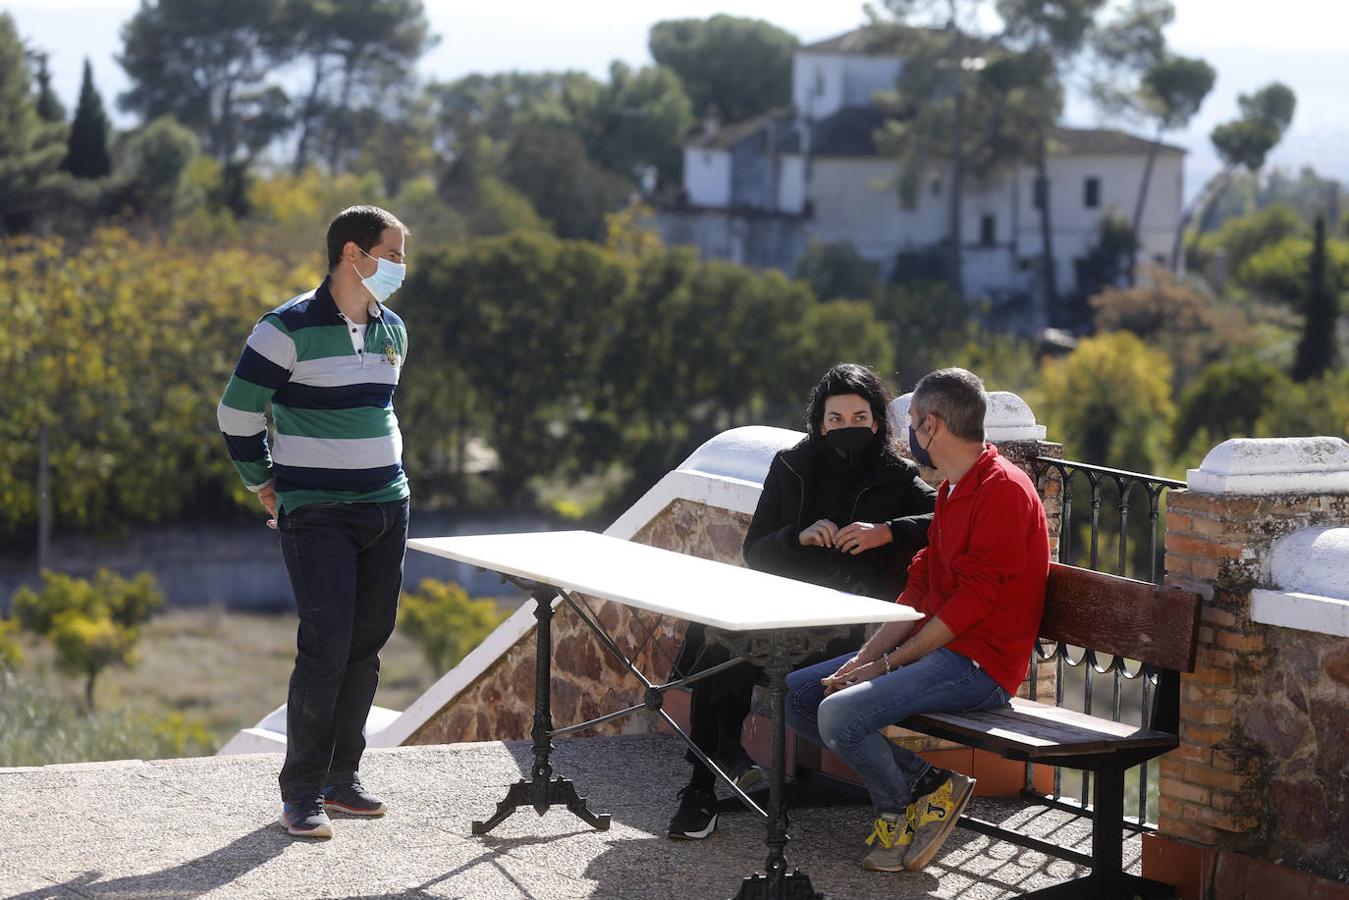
(1304, 43)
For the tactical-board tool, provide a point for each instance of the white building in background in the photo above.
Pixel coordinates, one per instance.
(759, 192)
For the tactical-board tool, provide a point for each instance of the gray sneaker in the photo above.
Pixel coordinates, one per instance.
(353, 800)
(742, 769)
(890, 838)
(306, 818)
(935, 816)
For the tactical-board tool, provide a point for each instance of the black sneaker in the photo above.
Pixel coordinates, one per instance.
(697, 815)
(353, 800)
(306, 818)
(743, 770)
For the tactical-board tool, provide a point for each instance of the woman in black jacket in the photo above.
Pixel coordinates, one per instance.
(839, 509)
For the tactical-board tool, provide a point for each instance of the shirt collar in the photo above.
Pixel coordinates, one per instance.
(324, 294)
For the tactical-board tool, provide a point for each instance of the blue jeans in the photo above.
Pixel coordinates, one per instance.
(849, 722)
(345, 562)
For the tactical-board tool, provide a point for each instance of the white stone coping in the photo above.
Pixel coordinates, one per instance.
(1310, 569)
(1008, 418)
(1306, 612)
(1259, 466)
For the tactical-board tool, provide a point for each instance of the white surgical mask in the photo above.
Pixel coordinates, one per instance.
(387, 278)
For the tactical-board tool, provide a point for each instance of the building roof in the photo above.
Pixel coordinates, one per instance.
(1101, 142)
(727, 136)
(851, 131)
(850, 42)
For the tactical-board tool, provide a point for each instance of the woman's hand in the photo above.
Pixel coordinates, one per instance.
(862, 536)
(821, 534)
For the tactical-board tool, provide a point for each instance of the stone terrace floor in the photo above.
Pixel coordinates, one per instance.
(208, 828)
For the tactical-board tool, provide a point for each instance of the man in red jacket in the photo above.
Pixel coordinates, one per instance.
(981, 585)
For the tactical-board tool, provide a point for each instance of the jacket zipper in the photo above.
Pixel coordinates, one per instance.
(801, 505)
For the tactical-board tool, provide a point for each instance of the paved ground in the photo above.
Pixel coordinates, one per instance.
(208, 828)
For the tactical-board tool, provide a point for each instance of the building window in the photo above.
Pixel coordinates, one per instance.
(988, 231)
(936, 187)
(819, 82)
(1039, 192)
(1092, 192)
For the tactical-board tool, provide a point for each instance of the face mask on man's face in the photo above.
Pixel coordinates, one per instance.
(920, 454)
(387, 278)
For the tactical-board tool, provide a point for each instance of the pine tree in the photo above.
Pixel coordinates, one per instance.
(49, 106)
(1316, 350)
(87, 156)
(30, 149)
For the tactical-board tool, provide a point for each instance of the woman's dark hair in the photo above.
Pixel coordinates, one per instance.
(851, 378)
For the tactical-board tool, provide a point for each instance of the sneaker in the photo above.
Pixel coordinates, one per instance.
(936, 814)
(306, 818)
(353, 800)
(891, 836)
(743, 770)
(697, 815)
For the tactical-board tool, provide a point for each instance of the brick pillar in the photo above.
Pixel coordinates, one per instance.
(1260, 774)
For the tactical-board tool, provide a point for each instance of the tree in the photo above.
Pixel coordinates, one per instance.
(1227, 400)
(30, 147)
(49, 106)
(442, 620)
(1109, 401)
(359, 53)
(87, 153)
(157, 156)
(1173, 90)
(1241, 238)
(837, 271)
(206, 63)
(10, 653)
(1316, 350)
(551, 168)
(1243, 142)
(91, 624)
(637, 124)
(731, 67)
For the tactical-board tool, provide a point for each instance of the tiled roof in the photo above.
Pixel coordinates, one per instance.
(1101, 142)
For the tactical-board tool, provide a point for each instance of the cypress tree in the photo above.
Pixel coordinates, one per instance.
(1316, 350)
(49, 106)
(87, 153)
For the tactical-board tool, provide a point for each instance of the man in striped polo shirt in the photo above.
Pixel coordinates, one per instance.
(328, 362)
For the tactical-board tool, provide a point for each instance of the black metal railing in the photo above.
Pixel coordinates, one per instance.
(1128, 680)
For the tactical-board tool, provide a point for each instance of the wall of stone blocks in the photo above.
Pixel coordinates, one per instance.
(1263, 765)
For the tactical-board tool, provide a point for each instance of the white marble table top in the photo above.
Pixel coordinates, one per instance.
(675, 584)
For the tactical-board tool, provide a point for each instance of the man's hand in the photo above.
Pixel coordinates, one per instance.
(862, 536)
(267, 497)
(850, 673)
(821, 534)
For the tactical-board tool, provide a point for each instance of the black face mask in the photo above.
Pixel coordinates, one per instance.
(852, 445)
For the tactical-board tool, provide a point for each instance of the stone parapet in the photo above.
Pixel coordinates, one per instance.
(1263, 765)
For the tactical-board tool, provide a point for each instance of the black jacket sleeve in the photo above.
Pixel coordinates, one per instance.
(771, 544)
(910, 529)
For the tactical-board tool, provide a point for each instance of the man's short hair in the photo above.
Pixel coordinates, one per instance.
(956, 396)
(362, 225)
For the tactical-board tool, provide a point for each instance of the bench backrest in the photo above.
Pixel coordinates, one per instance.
(1110, 614)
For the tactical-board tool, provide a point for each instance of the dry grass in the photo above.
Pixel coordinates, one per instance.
(222, 670)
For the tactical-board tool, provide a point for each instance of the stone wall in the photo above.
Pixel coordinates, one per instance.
(1263, 765)
(588, 681)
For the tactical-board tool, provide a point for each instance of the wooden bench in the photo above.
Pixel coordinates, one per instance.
(1113, 615)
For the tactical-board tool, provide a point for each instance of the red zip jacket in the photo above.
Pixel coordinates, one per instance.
(984, 569)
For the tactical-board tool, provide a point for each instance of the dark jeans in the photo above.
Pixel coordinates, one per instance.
(720, 702)
(346, 567)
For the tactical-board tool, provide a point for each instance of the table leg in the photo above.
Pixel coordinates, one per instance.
(542, 790)
(778, 883)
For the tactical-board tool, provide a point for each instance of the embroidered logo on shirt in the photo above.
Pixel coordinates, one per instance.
(390, 353)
